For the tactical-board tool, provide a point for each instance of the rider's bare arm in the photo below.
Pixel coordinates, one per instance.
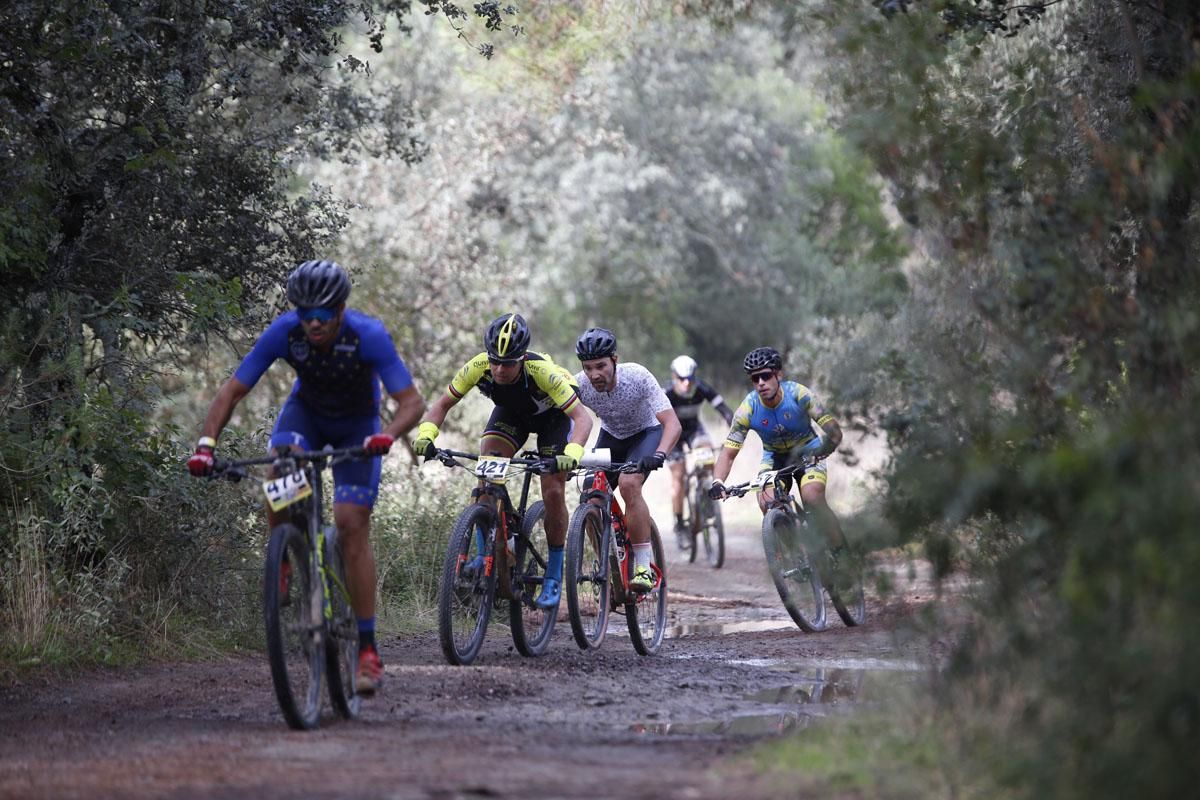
(724, 463)
(439, 409)
(581, 423)
(670, 430)
(833, 431)
(409, 408)
(228, 396)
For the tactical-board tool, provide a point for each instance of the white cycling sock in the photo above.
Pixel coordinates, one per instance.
(642, 554)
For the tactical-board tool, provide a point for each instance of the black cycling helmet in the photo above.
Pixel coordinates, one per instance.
(596, 343)
(318, 284)
(507, 338)
(762, 358)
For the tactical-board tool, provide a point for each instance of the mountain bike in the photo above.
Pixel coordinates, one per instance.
(702, 514)
(495, 548)
(796, 555)
(599, 564)
(311, 629)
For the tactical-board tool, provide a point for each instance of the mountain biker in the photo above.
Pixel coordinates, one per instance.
(532, 395)
(687, 393)
(340, 356)
(637, 424)
(781, 413)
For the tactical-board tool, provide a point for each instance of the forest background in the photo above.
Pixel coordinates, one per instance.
(972, 225)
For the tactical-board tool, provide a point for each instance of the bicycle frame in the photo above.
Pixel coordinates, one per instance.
(512, 573)
(614, 520)
(509, 517)
(296, 490)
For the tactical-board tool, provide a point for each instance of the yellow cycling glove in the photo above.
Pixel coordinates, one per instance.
(426, 433)
(571, 456)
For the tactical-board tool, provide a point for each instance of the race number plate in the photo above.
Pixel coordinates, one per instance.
(763, 479)
(282, 492)
(492, 468)
(705, 457)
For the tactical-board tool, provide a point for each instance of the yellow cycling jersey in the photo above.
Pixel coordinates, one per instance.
(542, 386)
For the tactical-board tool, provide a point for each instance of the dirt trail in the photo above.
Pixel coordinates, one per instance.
(569, 724)
(604, 724)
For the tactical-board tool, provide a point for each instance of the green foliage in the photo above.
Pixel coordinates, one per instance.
(410, 530)
(1040, 384)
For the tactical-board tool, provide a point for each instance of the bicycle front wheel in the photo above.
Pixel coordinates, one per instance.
(341, 650)
(712, 526)
(293, 613)
(646, 613)
(468, 586)
(586, 578)
(685, 537)
(792, 570)
(532, 625)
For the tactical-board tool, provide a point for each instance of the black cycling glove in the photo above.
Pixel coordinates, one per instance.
(648, 464)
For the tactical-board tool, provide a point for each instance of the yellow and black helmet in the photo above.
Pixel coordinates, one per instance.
(507, 338)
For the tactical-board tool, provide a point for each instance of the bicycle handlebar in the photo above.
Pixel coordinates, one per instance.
(762, 479)
(528, 460)
(236, 470)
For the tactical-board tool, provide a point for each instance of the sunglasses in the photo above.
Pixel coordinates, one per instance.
(497, 362)
(762, 377)
(319, 314)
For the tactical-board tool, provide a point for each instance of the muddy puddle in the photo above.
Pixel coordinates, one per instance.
(813, 692)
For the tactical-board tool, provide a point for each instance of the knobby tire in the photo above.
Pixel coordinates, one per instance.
(586, 578)
(341, 650)
(293, 619)
(532, 625)
(795, 577)
(465, 599)
(646, 614)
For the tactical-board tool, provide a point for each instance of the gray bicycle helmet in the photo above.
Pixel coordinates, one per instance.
(507, 338)
(318, 284)
(762, 358)
(596, 343)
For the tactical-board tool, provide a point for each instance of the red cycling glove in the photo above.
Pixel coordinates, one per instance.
(378, 444)
(201, 462)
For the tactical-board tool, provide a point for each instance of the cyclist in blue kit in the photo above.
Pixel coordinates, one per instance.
(781, 412)
(340, 356)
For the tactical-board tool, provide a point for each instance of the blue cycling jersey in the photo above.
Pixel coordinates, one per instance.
(786, 426)
(340, 382)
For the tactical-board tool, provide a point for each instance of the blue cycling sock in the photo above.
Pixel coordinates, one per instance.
(554, 563)
(366, 632)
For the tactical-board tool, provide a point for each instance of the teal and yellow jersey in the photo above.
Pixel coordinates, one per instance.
(783, 428)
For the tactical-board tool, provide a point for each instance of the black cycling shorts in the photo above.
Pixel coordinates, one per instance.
(553, 429)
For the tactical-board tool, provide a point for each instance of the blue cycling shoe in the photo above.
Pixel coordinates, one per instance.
(472, 567)
(551, 593)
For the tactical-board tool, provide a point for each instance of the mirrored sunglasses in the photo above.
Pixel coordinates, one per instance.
(319, 314)
(761, 377)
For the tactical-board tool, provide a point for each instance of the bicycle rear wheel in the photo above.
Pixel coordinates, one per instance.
(646, 614)
(586, 578)
(341, 650)
(468, 586)
(792, 570)
(845, 587)
(712, 526)
(532, 625)
(292, 612)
